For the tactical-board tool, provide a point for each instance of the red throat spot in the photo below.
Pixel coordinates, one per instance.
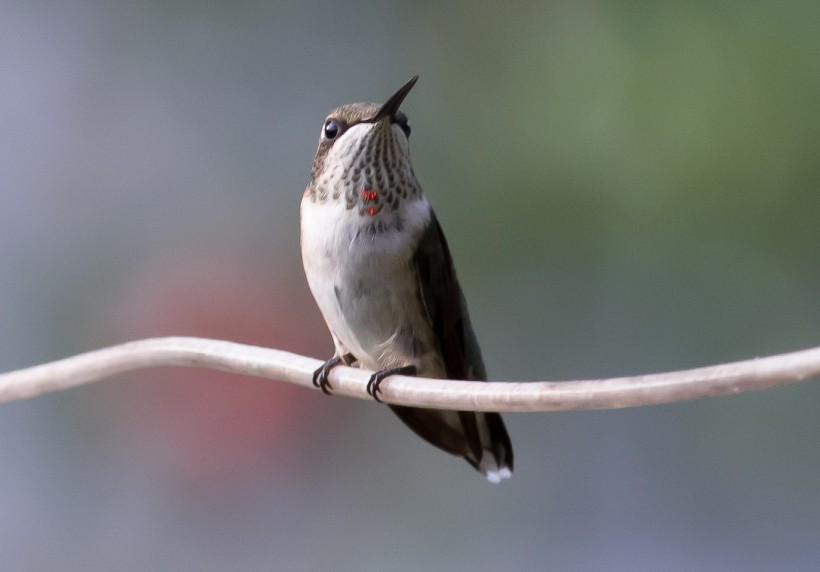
(368, 195)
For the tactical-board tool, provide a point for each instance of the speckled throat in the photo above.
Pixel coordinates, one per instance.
(368, 164)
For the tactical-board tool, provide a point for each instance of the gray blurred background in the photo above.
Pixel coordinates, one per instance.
(627, 187)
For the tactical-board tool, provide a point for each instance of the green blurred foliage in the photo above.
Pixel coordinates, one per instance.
(657, 159)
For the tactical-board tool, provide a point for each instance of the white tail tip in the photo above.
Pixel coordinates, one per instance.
(496, 477)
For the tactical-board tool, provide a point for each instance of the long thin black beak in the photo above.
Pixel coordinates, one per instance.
(392, 105)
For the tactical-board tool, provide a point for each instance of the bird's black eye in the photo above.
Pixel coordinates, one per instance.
(401, 119)
(331, 129)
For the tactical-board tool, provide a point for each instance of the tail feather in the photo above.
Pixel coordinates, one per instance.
(481, 438)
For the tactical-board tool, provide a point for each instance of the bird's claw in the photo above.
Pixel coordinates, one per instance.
(377, 378)
(320, 376)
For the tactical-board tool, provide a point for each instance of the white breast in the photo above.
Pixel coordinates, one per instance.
(362, 280)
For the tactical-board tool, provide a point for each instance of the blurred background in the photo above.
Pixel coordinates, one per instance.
(627, 187)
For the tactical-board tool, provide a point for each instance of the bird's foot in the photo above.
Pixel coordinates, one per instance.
(320, 379)
(377, 378)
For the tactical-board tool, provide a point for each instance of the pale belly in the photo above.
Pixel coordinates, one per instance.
(366, 289)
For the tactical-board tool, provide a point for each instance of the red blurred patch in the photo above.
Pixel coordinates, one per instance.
(208, 426)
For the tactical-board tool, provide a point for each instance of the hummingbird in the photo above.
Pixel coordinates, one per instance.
(380, 270)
